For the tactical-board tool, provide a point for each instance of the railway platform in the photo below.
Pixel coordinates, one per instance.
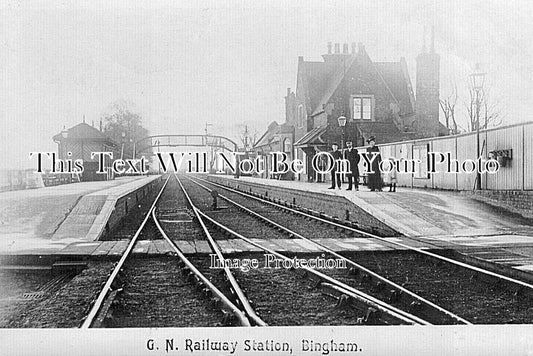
(47, 220)
(65, 222)
(431, 218)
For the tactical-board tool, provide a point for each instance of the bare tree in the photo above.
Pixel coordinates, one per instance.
(248, 137)
(447, 106)
(489, 111)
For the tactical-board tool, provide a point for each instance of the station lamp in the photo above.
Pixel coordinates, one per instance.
(342, 121)
(477, 79)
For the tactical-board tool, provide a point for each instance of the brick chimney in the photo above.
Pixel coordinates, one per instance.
(290, 107)
(345, 48)
(337, 57)
(427, 87)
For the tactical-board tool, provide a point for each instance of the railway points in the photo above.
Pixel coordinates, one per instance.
(167, 259)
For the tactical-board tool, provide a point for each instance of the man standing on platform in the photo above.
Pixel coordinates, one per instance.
(352, 155)
(335, 177)
(374, 174)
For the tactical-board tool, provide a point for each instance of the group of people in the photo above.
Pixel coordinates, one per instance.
(351, 155)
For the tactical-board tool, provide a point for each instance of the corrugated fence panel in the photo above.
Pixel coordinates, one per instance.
(483, 137)
(404, 150)
(466, 149)
(421, 180)
(441, 179)
(510, 176)
(528, 157)
(517, 175)
(387, 151)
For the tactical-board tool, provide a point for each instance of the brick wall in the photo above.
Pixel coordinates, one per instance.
(329, 204)
(516, 201)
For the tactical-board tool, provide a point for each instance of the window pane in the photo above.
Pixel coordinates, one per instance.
(357, 108)
(287, 145)
(367, 108)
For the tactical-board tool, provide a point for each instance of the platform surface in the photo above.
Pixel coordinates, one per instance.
(437, 219)
(428, 219)
(46, 220)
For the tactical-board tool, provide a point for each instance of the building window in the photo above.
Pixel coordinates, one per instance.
(287, 145)
(301, 115)
(362, 108)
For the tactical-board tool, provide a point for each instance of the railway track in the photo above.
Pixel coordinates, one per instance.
(99, 315)
(478, 295)
(134, 292)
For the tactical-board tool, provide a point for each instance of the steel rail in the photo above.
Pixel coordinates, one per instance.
(334, 253)
(383, 239)
(254, 318)
(107, 287)
(226, 302)
(348, 290)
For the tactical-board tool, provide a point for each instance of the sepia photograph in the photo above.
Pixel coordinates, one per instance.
(266, 177)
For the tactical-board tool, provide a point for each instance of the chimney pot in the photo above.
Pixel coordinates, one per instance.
(345, 48)
(354, 47)
(300, 58)
(329, 47)
(361, 47)
(337, 48)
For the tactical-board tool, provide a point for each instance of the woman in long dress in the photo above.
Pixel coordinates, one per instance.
(374, 174)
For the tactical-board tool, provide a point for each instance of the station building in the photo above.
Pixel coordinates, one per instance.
(376, 98)
(79, 141)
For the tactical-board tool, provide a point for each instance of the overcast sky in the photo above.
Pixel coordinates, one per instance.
(181, 64)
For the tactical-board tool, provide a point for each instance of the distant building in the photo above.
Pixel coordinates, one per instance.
(277, 138)
(376, 98)
(80, 141)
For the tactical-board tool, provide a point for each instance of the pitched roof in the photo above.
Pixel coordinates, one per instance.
(85, 132)
(335, 79)
(272, 132)
(400, 86)
(321, 79)
(315, 79)
(313, 137)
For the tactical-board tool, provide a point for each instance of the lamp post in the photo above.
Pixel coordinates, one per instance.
(477, 80)
(342, 123)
